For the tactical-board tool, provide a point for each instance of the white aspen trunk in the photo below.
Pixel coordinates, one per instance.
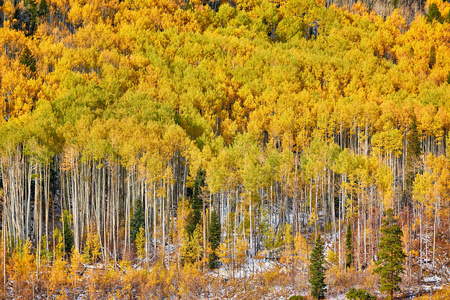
(154, 217)
(98, 205)
(163, 226)
(359, 238)
(251, 231)
(204, 225)
(127, 242)
(27, 214)
(316, 209)
(147, 225)
(434, 232)
(47, 206)
(333, 210)
(310, 198)
(75, 207)
(105, 208)
(421, 244)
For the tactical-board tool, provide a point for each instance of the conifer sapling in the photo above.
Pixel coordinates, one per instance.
(317, 270)
(390, 256)
(348, 247)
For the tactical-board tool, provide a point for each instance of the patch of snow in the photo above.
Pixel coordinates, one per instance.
(338, 297)
(434, 278)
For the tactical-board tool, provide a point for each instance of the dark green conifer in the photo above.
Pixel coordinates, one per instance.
(30, 15)
(355, 294)
(27, 59)
(434, 14)
(66, 220)
(214, 240)
(43, 8)
(432, 57)
(348, 247)
(414, 150)
(196, 203)
(317, 270)
(137, 220)
(390, 256)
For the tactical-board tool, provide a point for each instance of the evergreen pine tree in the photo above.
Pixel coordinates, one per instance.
(18, 19)
(137, 220)
(432, 57)
(30, 15)
(390, 256)
(317, 270)
(66, 219)
(348, 247)
(413, 150)
(434, 14)
(27, 59)
(43, 8)
(196, 203)
(214, 240)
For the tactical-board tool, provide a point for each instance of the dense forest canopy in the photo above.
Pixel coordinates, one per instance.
(281, 119)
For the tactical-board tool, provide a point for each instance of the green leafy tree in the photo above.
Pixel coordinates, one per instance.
(348, 247)
(137, 221)
(214, 240)
(390, 256)
(317, 270)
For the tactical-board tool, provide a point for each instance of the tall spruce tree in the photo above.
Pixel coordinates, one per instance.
(434, 14)
(214, 240)
(27, 59)
(137, 221)
(413, 153)
(66, 220)
(390, 256)
(317, 270)
(432, 57)
(348, 247)
(30, 15)
(196, 203)
(43, 9)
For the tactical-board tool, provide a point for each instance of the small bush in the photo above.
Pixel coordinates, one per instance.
(296, 298)
(355, 294)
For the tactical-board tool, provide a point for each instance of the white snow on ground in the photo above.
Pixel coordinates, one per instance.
(338, 297)
(434, 278)
(252, 266)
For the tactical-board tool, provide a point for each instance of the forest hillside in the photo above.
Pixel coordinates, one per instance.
(165, 148)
